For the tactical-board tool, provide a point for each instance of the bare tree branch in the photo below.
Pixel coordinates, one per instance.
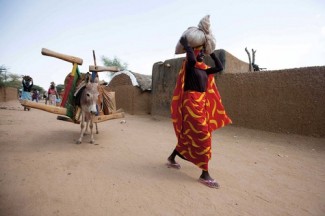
(253, 53)
(249, 58)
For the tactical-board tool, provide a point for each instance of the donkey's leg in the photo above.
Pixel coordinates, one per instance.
(96, 128)
(91, 125)
(86, 130)
(82, 128)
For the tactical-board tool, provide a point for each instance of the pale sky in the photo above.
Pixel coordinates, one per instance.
(285, 33)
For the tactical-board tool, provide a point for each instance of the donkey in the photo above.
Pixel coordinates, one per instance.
(87, 102)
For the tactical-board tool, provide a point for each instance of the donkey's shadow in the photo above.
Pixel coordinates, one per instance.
(60, 138)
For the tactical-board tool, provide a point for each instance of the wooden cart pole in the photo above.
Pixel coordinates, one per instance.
(67, 100)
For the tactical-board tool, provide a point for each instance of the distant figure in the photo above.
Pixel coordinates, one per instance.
(46, 97)
(35, 95)
(27, 87)
(58, 101)
(52, 94)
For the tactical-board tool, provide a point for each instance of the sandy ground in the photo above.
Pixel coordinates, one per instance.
(43, 171)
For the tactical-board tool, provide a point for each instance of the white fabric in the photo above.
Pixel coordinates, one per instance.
(198, 36)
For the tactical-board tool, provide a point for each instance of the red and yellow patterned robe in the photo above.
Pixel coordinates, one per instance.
(195, 115)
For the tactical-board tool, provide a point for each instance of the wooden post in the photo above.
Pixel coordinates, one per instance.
(253, 55)
(94, 74)
(94, 68)
(249, 58)
(61, 56)
(102, 118)
(44, 107)
(94, 56)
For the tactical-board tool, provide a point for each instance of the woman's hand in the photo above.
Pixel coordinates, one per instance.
(213, 55)
(183, 41)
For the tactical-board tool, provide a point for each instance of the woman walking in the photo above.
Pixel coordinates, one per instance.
(196, 111)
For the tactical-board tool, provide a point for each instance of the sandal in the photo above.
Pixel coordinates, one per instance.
(210, 183)
(173, 165)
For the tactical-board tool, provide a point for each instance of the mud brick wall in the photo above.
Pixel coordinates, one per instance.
(8, 94)
(164, 75)
(128, 97)
(284, 101)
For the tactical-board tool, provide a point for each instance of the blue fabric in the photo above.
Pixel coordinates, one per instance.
(93, 76)
(26, 95)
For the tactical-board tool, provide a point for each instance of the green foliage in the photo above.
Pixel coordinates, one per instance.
(59, 88)
(8, 79)
(39, 88)
(3, 75)
(114, 62)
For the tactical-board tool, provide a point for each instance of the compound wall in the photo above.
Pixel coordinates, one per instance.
(285, 101)
(8, 94)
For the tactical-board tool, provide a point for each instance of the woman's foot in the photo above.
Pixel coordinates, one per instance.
(207, 180)
(210, 183)
(172, 163)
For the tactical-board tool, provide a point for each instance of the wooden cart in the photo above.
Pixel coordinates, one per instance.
(67, 109)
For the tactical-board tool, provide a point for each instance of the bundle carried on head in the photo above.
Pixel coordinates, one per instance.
(27, 78)
(199, 36)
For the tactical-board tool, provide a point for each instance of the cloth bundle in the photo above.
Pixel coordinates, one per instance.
(27, 78)
(198, 36)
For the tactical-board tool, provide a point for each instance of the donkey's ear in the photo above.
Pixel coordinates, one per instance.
(96, 80)
(87, 77)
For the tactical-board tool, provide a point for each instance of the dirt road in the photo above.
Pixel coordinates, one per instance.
(43, 172)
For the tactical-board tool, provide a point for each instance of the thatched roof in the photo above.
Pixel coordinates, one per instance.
(140, 80)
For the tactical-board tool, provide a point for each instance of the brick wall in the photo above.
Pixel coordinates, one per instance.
(8, 94)
(120, 80)
(164, 75)
(285, 101)
(128, 97)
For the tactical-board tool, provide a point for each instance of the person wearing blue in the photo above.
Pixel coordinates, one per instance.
(27, 87)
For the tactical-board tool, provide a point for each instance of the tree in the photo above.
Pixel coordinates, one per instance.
(13, 80)
(252, 65)
(249, 59)
(114, 62)
(39, 88)
(8, 79)
(3, 75)
(59, 88)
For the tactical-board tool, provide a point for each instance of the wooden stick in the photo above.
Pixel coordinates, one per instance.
(61, 56)
(249, 58)
(44, 107)
(94, 56)
(94, 68)
(96, 119)
(102, 118)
